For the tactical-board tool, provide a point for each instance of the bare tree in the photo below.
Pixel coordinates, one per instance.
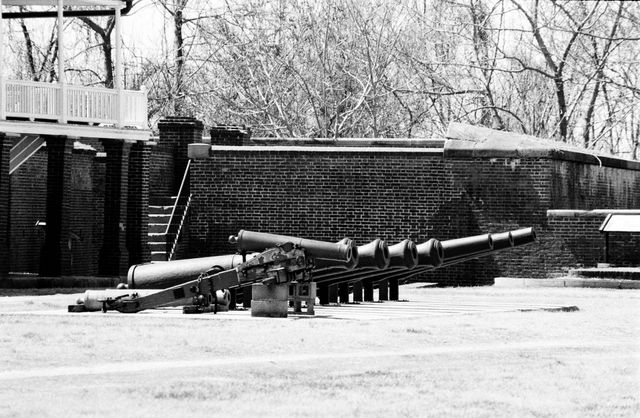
(103, 31)
(40, 60)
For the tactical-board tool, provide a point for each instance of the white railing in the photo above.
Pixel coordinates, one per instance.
(35, 100)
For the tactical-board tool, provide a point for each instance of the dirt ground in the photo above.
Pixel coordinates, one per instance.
(414, 358)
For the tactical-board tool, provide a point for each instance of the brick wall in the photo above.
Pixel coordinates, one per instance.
(393, 194)
(84, 200)
(85, 231)
(138, 204)
(55, 258)
(585, 185)
(169, 156)
(5, 209)
(162, 173)
(28, 205)
(578, 242)
(492, 195)
(365, 195)
(113, 255)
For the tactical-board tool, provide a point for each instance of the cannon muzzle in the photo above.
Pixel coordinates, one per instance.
(403, 254)
(171, 273)
(374, 255)
(259, 241)
(430, 253)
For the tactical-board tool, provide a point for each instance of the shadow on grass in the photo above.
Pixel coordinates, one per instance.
(41, 292)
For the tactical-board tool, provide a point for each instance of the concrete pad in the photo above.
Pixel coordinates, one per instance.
(271, 308)
(508, 282)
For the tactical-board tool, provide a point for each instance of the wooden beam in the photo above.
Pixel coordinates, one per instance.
(118, 83)
(61, 75)
(80, 131)
(109, 3)
(2, 60)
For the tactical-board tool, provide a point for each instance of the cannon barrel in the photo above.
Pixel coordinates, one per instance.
(372, 255)
(171, 273)
(502, 241)
(259, 241)
(464, 247)
(403, 254)
(92, 300)
(523, 236)
(429, 256)
(430, 253)
(476, 246)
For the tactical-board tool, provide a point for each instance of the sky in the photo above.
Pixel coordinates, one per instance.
(142, 27)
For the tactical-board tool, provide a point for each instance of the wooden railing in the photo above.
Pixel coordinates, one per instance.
(42, 101)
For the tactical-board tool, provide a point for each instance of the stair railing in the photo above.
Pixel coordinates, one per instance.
(172, 244)
(175, 241)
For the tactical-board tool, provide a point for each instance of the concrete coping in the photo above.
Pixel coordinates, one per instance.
(463, 141)
(469, 141)
(511, 282)
(567, 213)
(353, 142)
(201, 150)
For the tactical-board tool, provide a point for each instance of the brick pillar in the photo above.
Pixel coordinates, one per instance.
(229, 135)
(176, 133)
(5, 203)
(55, 259)
(114, 257)
(138, 203)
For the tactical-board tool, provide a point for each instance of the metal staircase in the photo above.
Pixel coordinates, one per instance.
(166, 221)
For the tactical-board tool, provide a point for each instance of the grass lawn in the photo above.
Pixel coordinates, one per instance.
(584, 363)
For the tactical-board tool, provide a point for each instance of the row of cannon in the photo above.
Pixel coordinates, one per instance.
(342, 265)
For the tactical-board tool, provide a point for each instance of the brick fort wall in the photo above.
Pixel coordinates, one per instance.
(469, 187)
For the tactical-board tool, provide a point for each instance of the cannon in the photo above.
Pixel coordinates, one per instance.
(373, 255)
(344, 250)
(96, 300)
(170, 273)
(432, 254)
(282, 264)
(200, 284)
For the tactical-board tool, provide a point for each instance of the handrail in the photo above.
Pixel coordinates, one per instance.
(177, 237)
(175, 204)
